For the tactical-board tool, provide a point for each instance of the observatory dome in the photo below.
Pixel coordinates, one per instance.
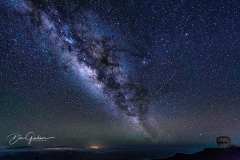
(223, 142)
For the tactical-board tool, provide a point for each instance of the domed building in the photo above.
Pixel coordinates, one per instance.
(223, 142)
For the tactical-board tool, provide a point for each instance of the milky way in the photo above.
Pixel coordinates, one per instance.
(92, 56)
(127, 71)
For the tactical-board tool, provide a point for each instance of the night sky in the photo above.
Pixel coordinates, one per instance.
(120, 72)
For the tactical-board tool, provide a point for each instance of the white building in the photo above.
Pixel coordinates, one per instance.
(223, 142)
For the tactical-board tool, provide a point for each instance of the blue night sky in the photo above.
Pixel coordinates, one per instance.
(120, 72)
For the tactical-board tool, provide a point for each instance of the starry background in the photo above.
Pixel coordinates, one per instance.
(120, 72)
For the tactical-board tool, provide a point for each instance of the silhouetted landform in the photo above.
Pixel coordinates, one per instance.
(22, 147)
(86, 153)
(106, 153)
(209, 154)
(32, 147)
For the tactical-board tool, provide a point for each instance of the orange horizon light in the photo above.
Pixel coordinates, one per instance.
(94, 147)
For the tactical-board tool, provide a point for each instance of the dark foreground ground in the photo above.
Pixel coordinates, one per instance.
(103, 153)
(209, 154)
(130, 153)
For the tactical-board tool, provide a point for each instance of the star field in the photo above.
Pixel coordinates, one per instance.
(120, 72)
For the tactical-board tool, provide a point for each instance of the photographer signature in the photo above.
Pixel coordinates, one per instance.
(29, 137)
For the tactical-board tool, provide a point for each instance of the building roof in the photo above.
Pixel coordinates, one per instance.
(223, 139)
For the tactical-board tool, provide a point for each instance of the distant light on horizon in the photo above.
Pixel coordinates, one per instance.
(94, 147)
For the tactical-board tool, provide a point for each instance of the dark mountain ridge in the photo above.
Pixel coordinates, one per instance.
(209, 154)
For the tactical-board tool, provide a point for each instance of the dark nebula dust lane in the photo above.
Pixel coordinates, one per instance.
(97, 57)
